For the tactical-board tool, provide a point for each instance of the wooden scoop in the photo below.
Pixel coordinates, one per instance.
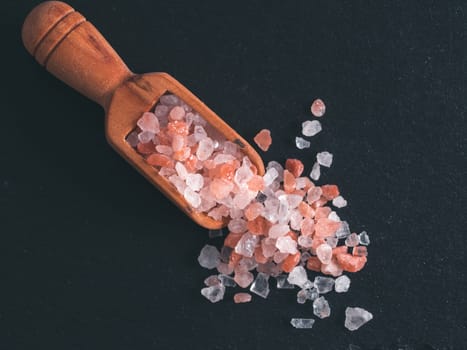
(74, 51)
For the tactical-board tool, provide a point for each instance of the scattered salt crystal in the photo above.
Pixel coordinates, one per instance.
(215, 233)
(355, 317)
(301, 143)
(214, 293)
(242, 298)
(314, 194)
(246, 245)
(324, 253)
(323, 284)
(343, 231)
(237, 225)
(287, 245)
(297, 276)
(278, 230)
(225, 268)
(342, 284)
(261, 285)
(205, 149)
(364, 238)
(211, 281)
(209, 257)
(352, 240)
(133, 139)
(192, 197)
(243, 278)
(263, 139)
(324, 158)
(226, 280)
(318, 108)
(311, 128)
(334, 217)
(339, 202)
(302, 323)
(306, 294)
(321, 308)
(282, 282)
(195, 181)
(145, 136)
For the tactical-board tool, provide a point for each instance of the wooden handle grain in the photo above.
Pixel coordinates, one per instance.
(74, 51)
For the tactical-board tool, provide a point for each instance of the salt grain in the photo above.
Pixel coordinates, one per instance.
(311, 128)
(324, 158)
(301, 143)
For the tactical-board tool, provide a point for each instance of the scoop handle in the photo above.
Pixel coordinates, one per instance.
(73, 50)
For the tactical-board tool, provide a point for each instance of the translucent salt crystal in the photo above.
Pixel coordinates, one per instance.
(308, 285)
(314, 194)
(237, 226)
(300, 182)
(315, 172)
(218, 213)
(192, 197)
(294, 200)
(199, 120)
(331, 241)
(167, 172)
(295, 220)
(225, 268)
(163, 149)
(286, 245)
(220, 188)
(246, 245)
(352, 240)
(302, 323)
(161, 111)
(279, 257)
(263, 139)
(278, 167)
(214, 293)
(318, 108)
(301, 143)
(355, 317)
(199, 133)
(226, 280)
(145, 136)
(324, 253)
(178, 142)
(333, 268)
(149, 122)
(230, 148)
(339, 202)
(211, 281)
(311, 128)
(334, 217)
(241, 199)
(261, 285)
(307, 227)
(178, 183)
(181, 171)
(215, 233)
(177, 113)
(321, 308)
(236, 213)
(364, 238)
(243, 278)
(323, 284)
(304, 257)
(270, 176)
(169, 100)
(343, 231)
(268, 247)
(242, 298)
(283, 210)
(247, 264)
(209, 257)
(195, 181)
(225, 254)
(297, 276)
(305, 241)
(324, 158)
(342, 284)
(278, 230)
(306, 294)
(205, 149)
(133, 139)
(243, 175)
(282, 282)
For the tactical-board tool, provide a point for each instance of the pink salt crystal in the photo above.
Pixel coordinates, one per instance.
(278, 230)
(318, 108)
(195, 181)
(181, 170)
(253, 210)
(268, 246)
(242, 298)
(333, 268)
(178, 142)
(145, 136)
(219, 212)
(280, 257)
(224, 268)
(307, 226)
(314, 194)
(149, 122)
(177, 113)
(237, 226)
(243, 278)
(167, 150)
(325, 227)
(220, 188)
(263, 139)
(296, 220)
(305, 241)
(205, 149)
(241, 200)
(286, 245)
(324, 253)
(246, 245)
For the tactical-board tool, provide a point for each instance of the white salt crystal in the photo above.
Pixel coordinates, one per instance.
(282, 282)
(321, 308)
(352, 240)
(205, 149)
(261, 285)
(342, 284)
(301, 143)
(181, 171)
(278, 230)
(199, 133)
(178, 183)
(214, 293)
(297, 276)
(364, 238)
(163, 149)
(242, 199)
(145, 136)
(334, 217)
(270, 175)
(305, 241)
(324, 253)
(192, 197)
(311, 128)
(278, 167)
(149, 122)
(223, 158)
(209, 257)
(323, 284)
(243, 175)
(302, 323)
(246, 245)
(294, 200)
(287, 245)
(195, 181)
(237, 225)
(167, 172)
(279, 257)
(133, 139)
(339, 202)
(295, 220)
(355, 317)
(315, 172)
(268, 247)
(324, 158)
(343, 231)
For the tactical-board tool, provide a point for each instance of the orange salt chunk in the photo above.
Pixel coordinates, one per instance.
(146, 148)
(351, 263)
(295, 166)
(263, 139)
(325, 227)
(305, 210)
(339, 250)
(292, 235)
(161, 160)
(319, 203)
(232, 239)
(256, 183)
(259, 256)
(290, 262)
(220, 188)
(322, 212)
(289, 182)
(258, 226)
(190, 163)
(313, 264)
(253, 210)
(163, 138)
(330, 191)
(209, 164)
(177, 127)
(359, 251)
(226, 171)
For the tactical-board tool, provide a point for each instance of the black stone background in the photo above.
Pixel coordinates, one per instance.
(93, 257)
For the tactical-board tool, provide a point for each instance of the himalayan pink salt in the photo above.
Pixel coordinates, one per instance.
(195, 181)
(324, 253)
(295, 166)
(242, 199)
(220, 188)
(160, 160)
(145, 136)
(148, 122)
(243, 278)
(313, 264)
(259, 256)
(224, 268)
(289, 263)
(278, 230)
(166, 150)
(322, 212)
(330, 191)
(314, 194)
(307, 226)
(318, 108)
(177, 113)
(253, 210)
(256, 183)
(287, 245)
(259, 226)
(263, 139)
(242, 298)
(305, 241)
(219, 212)
(246, 245)
(178, 142)
(205, 149)
(305, 210)
(351, 263)
(268, 246)
(279, 257)
(289, 181)
(237, 226)
(296, 220)
(333, 268)
(325, 227)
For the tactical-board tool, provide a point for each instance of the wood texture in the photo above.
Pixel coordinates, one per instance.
(75, 52)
